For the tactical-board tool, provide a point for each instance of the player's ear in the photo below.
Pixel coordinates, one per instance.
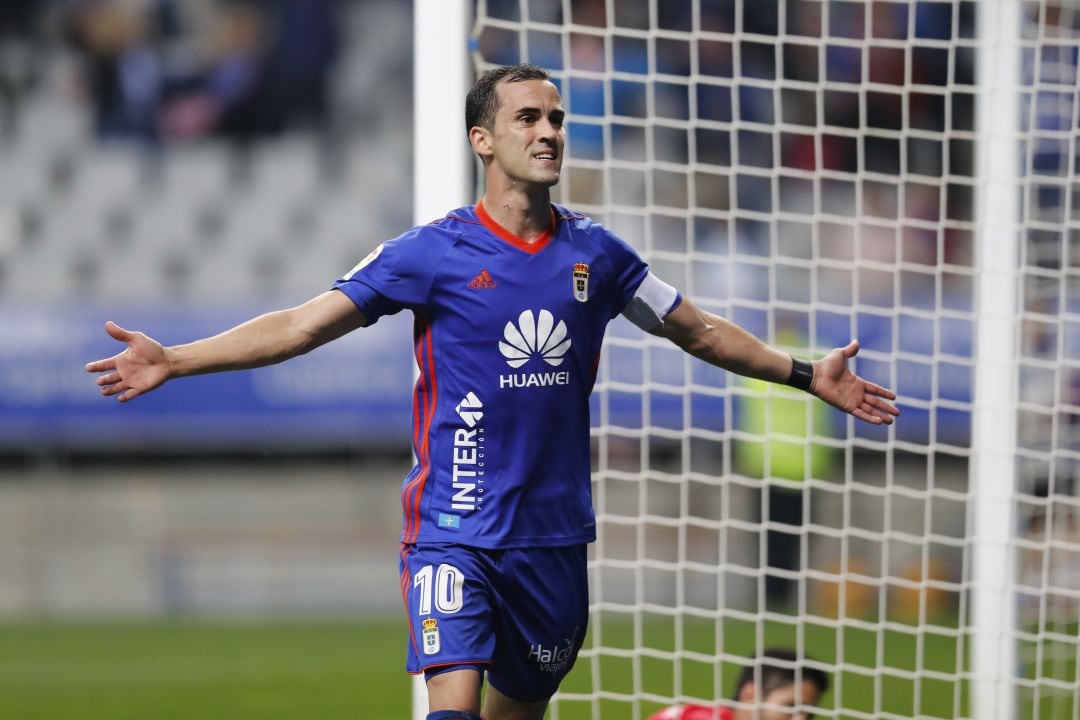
(480, 140)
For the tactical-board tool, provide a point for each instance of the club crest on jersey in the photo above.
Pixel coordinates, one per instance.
(430, 635)
(581, 282)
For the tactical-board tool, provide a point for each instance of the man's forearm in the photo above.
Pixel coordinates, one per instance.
(264, 340)
(733, 348)
(723, 343)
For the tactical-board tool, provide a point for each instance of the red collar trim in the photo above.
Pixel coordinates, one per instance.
(500, 232)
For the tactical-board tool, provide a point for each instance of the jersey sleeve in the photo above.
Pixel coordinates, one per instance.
(629, 270)
(651, 303)
(395, 275)
(642, 297)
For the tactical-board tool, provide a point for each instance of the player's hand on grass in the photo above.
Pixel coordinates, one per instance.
(835, 384)
(140, 368)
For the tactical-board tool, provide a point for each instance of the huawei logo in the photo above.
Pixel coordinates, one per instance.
(534, 335)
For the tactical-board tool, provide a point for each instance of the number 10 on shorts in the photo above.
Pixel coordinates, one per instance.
(447, 595)
(446, 589)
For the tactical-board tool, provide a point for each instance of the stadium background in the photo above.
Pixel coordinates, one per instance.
(229, 542)
(226, 550)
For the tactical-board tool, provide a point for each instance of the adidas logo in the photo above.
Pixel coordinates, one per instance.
(470, 409)
(482, 281)
(534, 335)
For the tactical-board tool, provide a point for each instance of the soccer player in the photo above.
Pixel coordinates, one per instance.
(511, 298)
(769, 688)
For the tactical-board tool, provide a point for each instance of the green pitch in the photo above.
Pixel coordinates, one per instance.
(352, 668)
(233, 670)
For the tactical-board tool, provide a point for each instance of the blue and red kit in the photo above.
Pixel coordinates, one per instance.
(498, 508)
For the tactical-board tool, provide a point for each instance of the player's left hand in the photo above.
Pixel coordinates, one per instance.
(835, 384)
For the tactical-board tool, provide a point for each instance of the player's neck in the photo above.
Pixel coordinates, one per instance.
(526, 215)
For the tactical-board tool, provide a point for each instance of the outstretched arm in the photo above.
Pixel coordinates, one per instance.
(726, 345)
(271, 338)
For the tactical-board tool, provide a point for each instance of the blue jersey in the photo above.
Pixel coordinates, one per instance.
(507, 337)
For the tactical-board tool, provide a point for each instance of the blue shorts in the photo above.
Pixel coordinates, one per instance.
(521, 612)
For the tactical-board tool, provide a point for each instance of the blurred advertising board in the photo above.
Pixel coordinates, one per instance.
(355, 393)
(352, 393)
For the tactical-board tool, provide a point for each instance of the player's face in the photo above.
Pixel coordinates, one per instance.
(788, 697)
(528, 137)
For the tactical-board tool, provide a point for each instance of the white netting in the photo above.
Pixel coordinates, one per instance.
(808, 169)
(1048, 509)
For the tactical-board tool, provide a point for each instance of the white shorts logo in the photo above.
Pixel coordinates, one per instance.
(430, 635)
(534, 335)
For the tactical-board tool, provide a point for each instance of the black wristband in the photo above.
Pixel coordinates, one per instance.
(802, 374)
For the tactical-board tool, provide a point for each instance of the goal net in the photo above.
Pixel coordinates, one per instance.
(904, 173)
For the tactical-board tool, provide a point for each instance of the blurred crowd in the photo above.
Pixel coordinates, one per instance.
(852, 89)
(163, 70)
(819, 43)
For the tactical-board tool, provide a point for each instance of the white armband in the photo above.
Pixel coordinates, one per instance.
(651, 303)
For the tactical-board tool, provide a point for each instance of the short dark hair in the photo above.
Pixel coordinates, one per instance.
(482, 103)
(778, 669)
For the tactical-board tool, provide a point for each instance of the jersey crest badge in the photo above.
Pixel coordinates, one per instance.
(581, 282)
(431, 636)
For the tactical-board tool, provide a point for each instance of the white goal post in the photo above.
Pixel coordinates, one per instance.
(900, 171)
(993, 462)
(442, 178)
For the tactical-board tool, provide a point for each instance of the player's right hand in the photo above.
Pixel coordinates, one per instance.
(140, 368)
